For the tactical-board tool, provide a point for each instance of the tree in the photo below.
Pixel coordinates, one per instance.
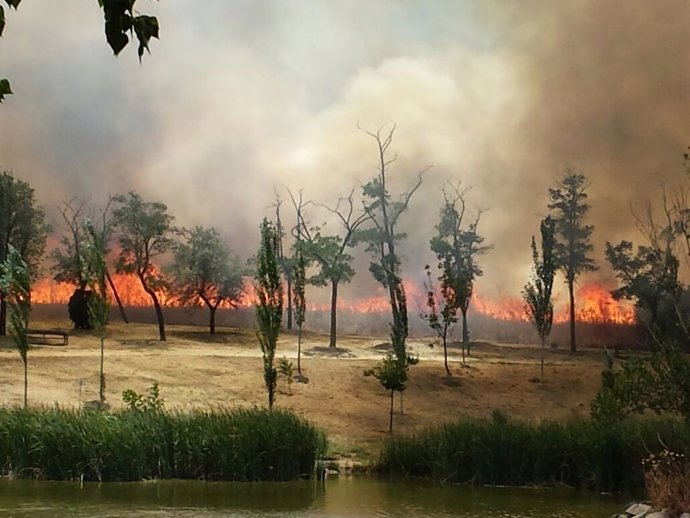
(269, 305)
(68, 259)
(443, 308)
(203, 271)
(98, 304)
(568, 203)
(145, 229)
(646, 276)
(299, 276)
(16, 284)
(537, 293)
(384, 213)
(456, 249)
(119, 20)
(329, 252)
(284, 261)
(22, 226)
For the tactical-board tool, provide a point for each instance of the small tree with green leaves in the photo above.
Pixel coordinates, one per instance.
(442, 307)
(300, 302)
(204, 271)
(569, 207)
(16, 284)
(457, 246)
(98, 303)
(537, 293)
(269, 304)
(392, 375)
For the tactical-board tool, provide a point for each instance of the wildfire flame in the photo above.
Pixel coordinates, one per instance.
(594, 303)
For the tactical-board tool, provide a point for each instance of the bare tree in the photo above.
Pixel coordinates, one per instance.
(330, 251)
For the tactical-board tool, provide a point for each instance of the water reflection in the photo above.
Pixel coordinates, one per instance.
(348, 497)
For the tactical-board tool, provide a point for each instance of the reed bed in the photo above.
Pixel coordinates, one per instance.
(215, 444)
(578, 453)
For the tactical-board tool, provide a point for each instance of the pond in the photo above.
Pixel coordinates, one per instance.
(345, 497)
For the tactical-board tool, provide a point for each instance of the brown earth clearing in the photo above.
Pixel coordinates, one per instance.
(197, 370)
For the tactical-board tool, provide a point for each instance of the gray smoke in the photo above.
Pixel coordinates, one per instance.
(239, 98)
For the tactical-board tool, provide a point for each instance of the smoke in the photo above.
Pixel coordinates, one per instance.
(239, 98)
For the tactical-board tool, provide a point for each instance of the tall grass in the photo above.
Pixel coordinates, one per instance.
(217, 444)
(577, 453)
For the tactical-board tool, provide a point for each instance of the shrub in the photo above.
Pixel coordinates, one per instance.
(667, 480)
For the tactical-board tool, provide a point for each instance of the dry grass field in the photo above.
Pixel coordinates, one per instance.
(196, 370)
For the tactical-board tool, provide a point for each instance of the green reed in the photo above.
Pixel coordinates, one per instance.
(215, 444)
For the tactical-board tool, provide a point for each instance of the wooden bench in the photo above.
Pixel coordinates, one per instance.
(47, 336)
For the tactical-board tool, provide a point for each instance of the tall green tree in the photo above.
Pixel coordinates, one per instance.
(204, 271)
(384, 213)
(120, 20)
(22, 226)
(95, 250)
(269, 304)
(299, 276)
(569, 207)
(144, 233)
(330, 251)
(457, 246)
(16, 284)
(538, 292)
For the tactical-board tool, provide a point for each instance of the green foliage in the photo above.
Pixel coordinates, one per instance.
(204, 272)
(5, 88)
(287, 370)
(152, 402)
(22, 223)
(269, 306)
(456, 247)
(647, 276)
(660, 383)
(212, 444)
(578, 453)
(16, 285)
(537, 293)
(145, 229)
(98, 304)
(568, 206)
(299, 285)
(120, 20)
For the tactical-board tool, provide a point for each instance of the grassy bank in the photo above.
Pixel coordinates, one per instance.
(218, 444)
(500, 451)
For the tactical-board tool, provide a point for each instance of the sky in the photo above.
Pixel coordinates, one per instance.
(241, 99)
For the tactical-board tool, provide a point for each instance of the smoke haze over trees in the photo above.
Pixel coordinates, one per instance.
(501, 95)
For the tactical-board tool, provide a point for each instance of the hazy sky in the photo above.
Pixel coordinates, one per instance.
(241, 97)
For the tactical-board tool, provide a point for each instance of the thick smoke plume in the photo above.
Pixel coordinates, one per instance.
(240, 97)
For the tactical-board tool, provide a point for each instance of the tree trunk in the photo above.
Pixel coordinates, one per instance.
(334, 310)
(401, 402)
(157, 306)
(299, 348)
(3, 315)
(390, 423)
(212, 320)
(465, 335)
(117, 297)
(543, 343)
(445, 355)
(571, 295)
(26, 383)
(289, 304)
(102, 376)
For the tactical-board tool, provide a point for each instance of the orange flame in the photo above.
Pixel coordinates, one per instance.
(594, 302)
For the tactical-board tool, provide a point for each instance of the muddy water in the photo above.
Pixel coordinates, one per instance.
(348, 497)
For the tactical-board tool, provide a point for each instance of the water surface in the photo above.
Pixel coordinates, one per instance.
(346, 497)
